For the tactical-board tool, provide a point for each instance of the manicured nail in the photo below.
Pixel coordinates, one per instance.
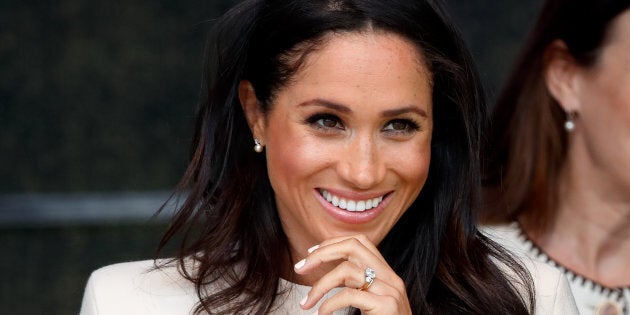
(312, 249)
(303, 301)
(300, 264)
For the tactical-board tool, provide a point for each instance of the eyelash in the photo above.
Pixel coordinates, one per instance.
(410, 126)
(314, 121)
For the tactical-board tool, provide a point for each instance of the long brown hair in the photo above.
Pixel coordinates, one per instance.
(527, 143)
(229, 216)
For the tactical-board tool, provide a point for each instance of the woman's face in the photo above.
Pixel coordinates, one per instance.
(603, 134)
(348, 140)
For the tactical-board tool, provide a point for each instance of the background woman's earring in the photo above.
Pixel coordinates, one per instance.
(569, 124)
(257, 146)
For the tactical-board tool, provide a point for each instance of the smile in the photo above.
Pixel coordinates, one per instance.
(349, 204)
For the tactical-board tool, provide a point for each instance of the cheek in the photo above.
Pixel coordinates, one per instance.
(620, 101)
(412, 164)
(606, 96)
(606, 110)
(291, 158)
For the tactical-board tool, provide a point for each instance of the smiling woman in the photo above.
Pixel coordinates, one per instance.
(329, 135)
(334, 168)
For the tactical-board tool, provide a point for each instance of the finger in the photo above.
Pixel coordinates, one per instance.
(350, 249)
(364, 240)
(367, 302)
(357, 253)
(346, 274)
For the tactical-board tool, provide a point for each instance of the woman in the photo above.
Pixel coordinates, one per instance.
(336, 149)
(559, 151)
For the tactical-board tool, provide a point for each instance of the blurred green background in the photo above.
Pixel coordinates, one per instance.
(97, 104)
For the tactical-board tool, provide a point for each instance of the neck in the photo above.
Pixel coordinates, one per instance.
(590, 233)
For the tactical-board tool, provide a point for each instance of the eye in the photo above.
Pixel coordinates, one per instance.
(325, 121)
(401, 126)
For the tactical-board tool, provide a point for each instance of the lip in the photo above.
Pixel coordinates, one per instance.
(353, 217)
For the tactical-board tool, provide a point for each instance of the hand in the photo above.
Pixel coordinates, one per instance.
(386, 295)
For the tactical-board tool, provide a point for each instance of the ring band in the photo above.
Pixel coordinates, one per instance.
(370, 275)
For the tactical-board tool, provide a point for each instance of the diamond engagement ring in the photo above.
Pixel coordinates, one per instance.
(370, 275)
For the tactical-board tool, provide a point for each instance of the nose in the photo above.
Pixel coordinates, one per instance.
(361, 163)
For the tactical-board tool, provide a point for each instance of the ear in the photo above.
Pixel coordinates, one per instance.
(251, 107)
(561, 73)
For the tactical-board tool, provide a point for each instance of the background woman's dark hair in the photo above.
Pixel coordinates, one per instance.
(527, 143)
(229, 219)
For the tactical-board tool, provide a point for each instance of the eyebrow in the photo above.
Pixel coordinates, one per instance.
(404, 110)
(347, 110)
(327, 104)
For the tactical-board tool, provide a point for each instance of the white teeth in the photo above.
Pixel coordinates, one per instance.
(376, 201)
(328, 196)
(351, 205)
(361, 205)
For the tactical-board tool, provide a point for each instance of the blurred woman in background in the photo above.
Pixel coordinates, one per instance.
(558, 156)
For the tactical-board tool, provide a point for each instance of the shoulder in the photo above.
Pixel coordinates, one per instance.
(552, 292)
(507, 235)
(138, 288)
(511, 237)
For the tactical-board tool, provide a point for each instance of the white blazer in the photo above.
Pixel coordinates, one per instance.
(134, 288)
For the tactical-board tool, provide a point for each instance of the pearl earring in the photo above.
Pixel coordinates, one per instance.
(569, 124)
(257, 146)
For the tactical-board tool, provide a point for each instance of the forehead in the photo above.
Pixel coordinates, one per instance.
(371, 72)
(366, 53)
(620, 26)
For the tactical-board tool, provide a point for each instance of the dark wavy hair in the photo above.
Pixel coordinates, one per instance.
(229, 215)
(527, 143)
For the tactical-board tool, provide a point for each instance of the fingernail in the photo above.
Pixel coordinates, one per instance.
(300, 264)
(316, 313)
(312, 249)
(303, 301)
